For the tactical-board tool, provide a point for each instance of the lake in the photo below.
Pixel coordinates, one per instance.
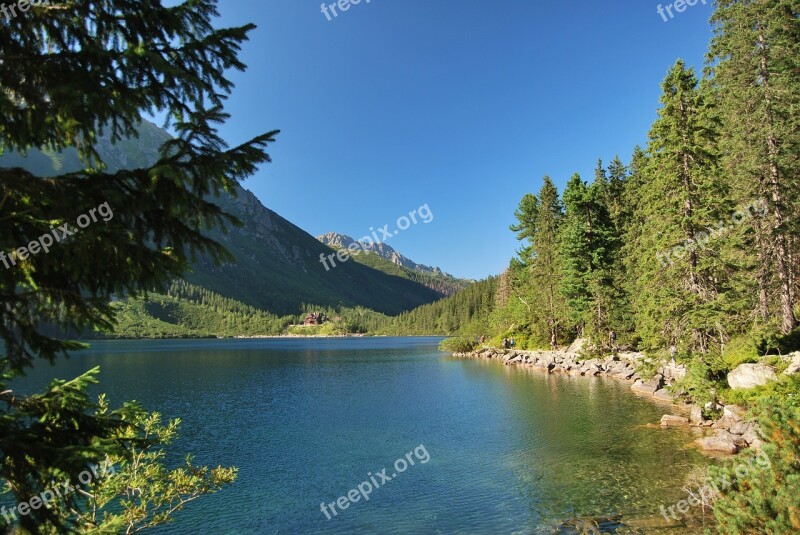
(494, 449)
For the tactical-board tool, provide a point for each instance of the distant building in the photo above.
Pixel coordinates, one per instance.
(314, 319)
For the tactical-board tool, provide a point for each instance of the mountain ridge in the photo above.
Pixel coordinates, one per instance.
(276, 267)
(387, 252)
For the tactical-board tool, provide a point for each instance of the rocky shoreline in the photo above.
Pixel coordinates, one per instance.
(729, 434)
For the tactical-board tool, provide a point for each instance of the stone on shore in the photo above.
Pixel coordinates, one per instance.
(722, 444)
(671, 420)
(751, 376)
(663, 395)
(794, 365)
(650, 387)
(578, 346)
(696, 416)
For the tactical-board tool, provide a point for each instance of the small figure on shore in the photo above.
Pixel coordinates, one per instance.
(483, 339)
(512, 342)
(505, 343)
(673, 350)
(612, 339)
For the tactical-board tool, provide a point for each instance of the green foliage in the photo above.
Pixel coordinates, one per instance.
(68, 85)
(740, 350)
(765, 499)
(458, 345)
(142, 492)
(754, 69)
(537, 276)
(705, 379)
(188, 311)
(769, 341)
(589, 243)
(60, 434)
(465, 312)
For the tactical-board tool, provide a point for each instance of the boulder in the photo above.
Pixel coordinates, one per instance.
(673, 372)
(718, 443)
(750, 376)
(794, 365)
(734, 412)
(624, 374)
(578, 346)
(696, 416)
(751, 436)
(670, 420)
(650, 387)
(663, 395)
(740, 428)
(738, 440)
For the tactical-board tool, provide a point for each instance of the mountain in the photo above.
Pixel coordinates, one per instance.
(341, 241)
(277, 267)
(380, 253)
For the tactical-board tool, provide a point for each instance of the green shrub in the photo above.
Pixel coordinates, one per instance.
(765, 498)
(458, 345)
(770, 341)
(704, 380)
(740, 350)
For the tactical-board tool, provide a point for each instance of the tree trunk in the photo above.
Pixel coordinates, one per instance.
(787, 318)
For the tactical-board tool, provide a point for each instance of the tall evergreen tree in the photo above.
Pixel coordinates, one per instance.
(676, 278)
(755, 63)
(588, 241)
(68, 72)
(539, 219)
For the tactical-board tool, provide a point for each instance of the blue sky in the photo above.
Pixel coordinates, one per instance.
(462, 106)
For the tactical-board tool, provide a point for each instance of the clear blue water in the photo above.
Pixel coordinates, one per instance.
(306, 420)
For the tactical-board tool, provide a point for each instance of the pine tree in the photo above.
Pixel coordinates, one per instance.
(69, 75)
(755, 63)
(539, 219)
(588, 242)
(676, 278)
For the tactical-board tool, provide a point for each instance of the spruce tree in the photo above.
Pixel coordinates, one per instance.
(755, 63)
(539, 219)
(676, 275)
(69, 72)
(588, 241)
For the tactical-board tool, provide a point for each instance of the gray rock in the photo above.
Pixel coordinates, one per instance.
(718, 443)
(751, 436)
(734, 412)
(750, 376)
(671, 420)
(673, 372)
(650, 387)
(663, 395)
(794, 365)
(738, 440)
(740, 428)
(696, 416)
(578, 346)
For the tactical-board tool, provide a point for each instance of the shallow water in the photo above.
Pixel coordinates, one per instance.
(307, 420)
